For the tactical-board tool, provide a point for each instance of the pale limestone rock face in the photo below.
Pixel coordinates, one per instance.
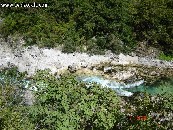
(127, 59)
(31, 59)
(73, 68)
(123, 59)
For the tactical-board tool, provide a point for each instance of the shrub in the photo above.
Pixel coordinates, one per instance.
(13, 114)
(162, 56)
(143, 104)
(69, 104)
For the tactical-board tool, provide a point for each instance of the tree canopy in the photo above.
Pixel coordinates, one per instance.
(116, 24)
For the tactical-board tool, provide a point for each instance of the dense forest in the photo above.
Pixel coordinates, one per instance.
(93, 26)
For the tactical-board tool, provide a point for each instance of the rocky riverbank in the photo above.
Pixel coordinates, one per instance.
(119, 67)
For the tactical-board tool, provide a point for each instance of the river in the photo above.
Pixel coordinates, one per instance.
(160, 87)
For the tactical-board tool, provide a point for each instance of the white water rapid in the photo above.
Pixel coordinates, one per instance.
(118, 87)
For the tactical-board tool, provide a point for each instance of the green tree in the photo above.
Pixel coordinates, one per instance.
(71, 22)
(153, 22)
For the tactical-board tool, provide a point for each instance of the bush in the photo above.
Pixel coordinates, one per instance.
(162, 56)
(69, 104)
(13, 114)
(143, 104)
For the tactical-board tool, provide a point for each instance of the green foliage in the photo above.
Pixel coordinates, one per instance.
(73, 23)
(153, 22)
(69, 104)
(12, 114)
(162, 56)
(144, 105)
(12, 111)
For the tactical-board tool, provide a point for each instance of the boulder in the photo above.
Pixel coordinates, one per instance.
(107, 69)
(84, 64)
(123, 75)
(73, 68)
(109, 53)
